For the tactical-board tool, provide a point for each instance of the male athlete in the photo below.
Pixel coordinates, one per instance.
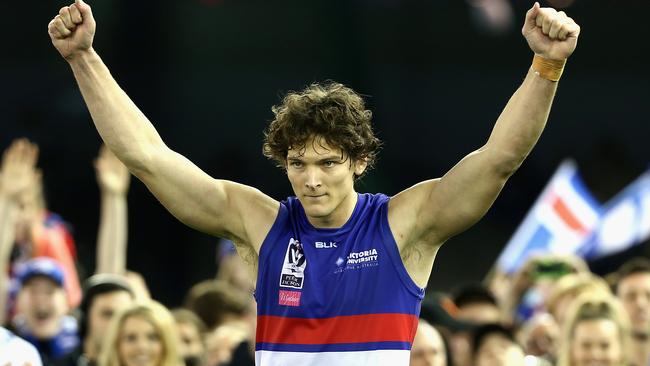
(352, 297)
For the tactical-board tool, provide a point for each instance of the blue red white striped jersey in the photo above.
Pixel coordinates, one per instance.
(334, 296)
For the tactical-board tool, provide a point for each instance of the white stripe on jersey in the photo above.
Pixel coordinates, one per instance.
(352, 358)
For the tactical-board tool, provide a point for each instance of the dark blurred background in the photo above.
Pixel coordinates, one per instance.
(436, 74)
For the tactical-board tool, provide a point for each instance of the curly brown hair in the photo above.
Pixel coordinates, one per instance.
(329, 110)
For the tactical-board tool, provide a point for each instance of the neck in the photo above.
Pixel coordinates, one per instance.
(339, 216)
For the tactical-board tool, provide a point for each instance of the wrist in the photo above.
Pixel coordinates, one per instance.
(108, 193)
(548, 69)
(81, 56)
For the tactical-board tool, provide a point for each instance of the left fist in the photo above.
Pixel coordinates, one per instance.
(550, 34)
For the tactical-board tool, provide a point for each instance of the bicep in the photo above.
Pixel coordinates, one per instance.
(449, 205)
(216, 207)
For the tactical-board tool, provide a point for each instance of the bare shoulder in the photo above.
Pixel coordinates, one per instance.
(255, 212)
(404, 209)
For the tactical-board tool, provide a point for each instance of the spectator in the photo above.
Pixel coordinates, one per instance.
(633, 289)
(17, 352)
(142, 334)
(28, 229)
(222, 342)
(534, 281)
(428, 347)
(494, 344)
(568, 288)
(596, 332)
(539, 336)
(42, 309)
(218, 302)
(191, 334)
(104, 296)
(477, 305)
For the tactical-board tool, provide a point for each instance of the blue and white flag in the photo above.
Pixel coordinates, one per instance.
(625, 221)
(561, 220)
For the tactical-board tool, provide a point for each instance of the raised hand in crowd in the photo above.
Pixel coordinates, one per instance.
(18, 175)
(113, 179)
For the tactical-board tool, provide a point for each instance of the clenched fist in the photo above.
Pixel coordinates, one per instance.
(551, 34)
(73, 29)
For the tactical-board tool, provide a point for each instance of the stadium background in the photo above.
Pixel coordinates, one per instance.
(207, 72)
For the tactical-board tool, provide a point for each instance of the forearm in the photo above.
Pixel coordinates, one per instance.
(124, 128)
(112, 234)
(7, 230)
(522, 121)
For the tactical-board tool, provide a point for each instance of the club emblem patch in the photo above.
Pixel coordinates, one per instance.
(293, 269)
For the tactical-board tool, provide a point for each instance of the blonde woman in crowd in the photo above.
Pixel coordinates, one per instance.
(570, 287)
(596, 332)
(143, 334)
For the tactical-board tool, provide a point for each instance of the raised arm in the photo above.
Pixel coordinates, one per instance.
(431, 212)
(17, 175)
(113, 180)
(214, 206)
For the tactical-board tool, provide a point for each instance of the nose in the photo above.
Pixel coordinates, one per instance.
(313, 179)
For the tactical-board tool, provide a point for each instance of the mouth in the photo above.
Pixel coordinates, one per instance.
(140, 359)
(315, 195)
(42, 316)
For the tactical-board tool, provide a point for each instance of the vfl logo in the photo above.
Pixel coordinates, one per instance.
(293, 269)
(325, 244)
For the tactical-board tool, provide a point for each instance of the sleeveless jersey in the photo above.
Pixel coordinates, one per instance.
(334, 296)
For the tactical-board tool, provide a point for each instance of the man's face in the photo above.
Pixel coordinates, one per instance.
(322, 178)
(634, 292)
(480, 313)
(428, 349)
(42, 302)
(496, 349)
(101, 311)
(596, 342)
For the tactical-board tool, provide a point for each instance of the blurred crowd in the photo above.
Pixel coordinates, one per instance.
(552, 311)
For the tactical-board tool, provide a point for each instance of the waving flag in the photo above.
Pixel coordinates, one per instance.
(561, 220)
(625, 221)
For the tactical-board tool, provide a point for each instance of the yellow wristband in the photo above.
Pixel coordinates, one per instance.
(548, 69)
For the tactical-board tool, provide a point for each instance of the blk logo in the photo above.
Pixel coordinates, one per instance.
(325, 244)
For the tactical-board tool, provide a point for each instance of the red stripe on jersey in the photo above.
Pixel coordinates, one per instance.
(339, 329)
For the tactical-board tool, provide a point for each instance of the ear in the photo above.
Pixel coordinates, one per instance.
(360, 166)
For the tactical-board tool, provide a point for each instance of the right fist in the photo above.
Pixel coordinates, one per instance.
(72, 31)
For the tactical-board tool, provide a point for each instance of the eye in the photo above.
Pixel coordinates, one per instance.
(130, 338)
(329, 163)
(295, 164)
